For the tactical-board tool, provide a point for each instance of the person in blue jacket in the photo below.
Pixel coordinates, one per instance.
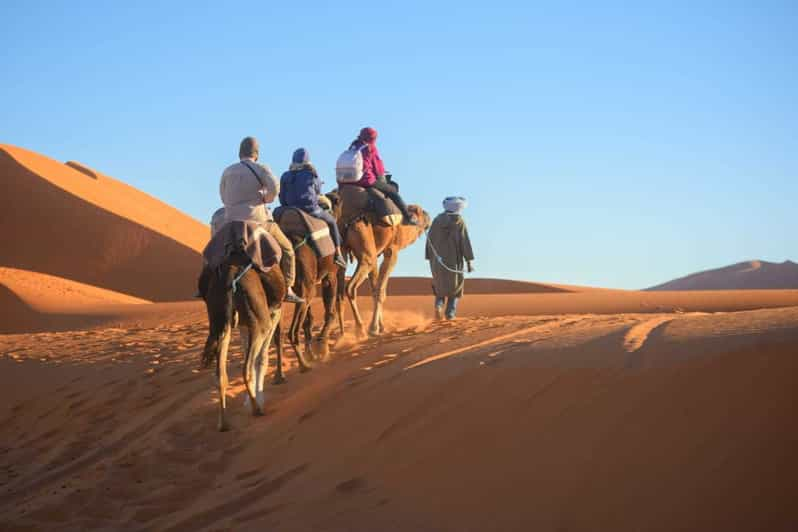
(300, 188)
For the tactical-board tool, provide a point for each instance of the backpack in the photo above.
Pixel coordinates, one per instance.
(349, 167)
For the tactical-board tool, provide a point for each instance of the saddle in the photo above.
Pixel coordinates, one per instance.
(300, 225)
(369, 202)
(251, 238)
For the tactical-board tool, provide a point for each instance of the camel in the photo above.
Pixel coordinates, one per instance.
(256, 300)
(366, 241)
(311, 270)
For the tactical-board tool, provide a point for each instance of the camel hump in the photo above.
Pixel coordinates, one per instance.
(357, 201)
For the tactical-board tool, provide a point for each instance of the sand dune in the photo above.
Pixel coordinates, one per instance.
(47, 293)
(38, 302)
(556, 422)
(749, 275)
(100, 232)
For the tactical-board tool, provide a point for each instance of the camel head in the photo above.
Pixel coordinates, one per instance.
(410, 233)
(424, 219)
(335, 201)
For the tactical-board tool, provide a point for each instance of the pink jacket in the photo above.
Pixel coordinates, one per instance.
(372, 164)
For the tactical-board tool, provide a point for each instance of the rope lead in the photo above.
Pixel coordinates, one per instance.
(439, 259)
(238, 277)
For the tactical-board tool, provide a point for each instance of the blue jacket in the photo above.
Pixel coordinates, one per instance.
(300, 188)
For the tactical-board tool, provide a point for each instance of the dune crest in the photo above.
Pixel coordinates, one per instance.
(114, 196)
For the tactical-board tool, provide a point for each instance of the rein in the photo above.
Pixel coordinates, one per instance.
(238, 277)
(439, 259)
(302, 243)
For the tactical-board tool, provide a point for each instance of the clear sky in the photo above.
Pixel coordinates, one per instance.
(599, 143)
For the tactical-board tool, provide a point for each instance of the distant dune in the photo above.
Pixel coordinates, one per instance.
(83, 226)
(750, 275)
(419, 286)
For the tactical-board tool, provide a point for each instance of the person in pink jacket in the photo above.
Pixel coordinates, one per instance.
(374, 171)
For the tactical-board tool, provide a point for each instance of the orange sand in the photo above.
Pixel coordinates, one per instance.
(559, 422)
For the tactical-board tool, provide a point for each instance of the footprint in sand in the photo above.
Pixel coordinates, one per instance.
(247, 474)
(351, 485)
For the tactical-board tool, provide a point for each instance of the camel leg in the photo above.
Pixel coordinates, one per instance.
(279, 378)
(262, 361)
(375, 293)
(257, 337)
(308, 330)
(293, 330)
(328, 290)
(390, 256)
(221, 375)
(339, 309)
(299, 317)
(360, 275)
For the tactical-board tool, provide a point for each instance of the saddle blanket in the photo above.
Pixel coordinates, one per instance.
(299, 224)
(357, 201)
(251, 238)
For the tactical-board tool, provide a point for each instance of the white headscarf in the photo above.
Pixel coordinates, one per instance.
(454, 204)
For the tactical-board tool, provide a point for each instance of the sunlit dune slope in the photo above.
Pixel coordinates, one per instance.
(98, 231)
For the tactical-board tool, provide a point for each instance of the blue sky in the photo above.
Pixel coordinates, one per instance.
(599, 143)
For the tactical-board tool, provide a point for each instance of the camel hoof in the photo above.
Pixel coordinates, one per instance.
(223, 426)
(304, 369)
(279, 380)
(323, 350)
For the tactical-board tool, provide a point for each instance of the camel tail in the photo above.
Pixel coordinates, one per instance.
(219, 303)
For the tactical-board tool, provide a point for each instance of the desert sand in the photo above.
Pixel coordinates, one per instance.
(542, 407)
(586, 421)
